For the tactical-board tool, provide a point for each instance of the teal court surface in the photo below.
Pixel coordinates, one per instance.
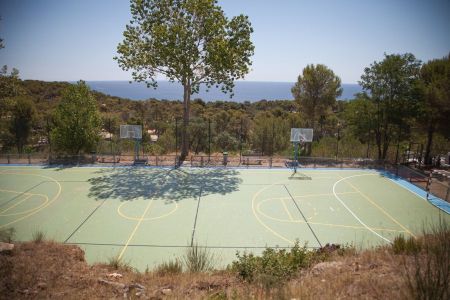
(150, 215)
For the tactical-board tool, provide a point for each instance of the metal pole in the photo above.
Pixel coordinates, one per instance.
(209, 140)
(240, 144)
(337, 141)
(273, 137)
(176, 140)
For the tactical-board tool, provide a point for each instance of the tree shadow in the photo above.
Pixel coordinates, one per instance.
(127, 184)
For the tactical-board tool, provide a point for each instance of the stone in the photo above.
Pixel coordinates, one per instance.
(166, 291)
(6, 248)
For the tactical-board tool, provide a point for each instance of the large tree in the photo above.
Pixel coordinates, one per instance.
(23, 113)
(435, 107)
(391, 86)
(189, 41)
(77, 120)
(316, 90)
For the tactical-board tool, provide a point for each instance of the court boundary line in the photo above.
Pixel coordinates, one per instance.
(306, 220)
(380, 208)
(184, 246)
(85, 220)
(196, 216)
(350, 211)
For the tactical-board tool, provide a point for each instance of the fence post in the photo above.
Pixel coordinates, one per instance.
(29, 158)
(7, 156)
(270, 162)
(201, 161)
(448, 193)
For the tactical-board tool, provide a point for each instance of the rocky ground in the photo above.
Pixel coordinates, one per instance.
(51, 270)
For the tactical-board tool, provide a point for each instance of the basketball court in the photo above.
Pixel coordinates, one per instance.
(149, 215)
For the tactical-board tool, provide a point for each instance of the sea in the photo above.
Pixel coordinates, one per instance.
(251, 91)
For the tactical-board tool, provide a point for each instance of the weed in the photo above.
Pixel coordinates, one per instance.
(429, 276)
(7, 235)
(198, 259)
(170, 267)
(401, 245)
(116, 263)
(38, 236)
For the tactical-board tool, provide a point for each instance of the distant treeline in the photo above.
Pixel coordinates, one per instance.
(405, 102)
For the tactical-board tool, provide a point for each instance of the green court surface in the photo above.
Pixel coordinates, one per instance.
(150, 215)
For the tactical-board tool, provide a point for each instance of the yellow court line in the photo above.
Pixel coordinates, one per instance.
(255, 195)
(286, 209)
(135, 229)
(380, 208)
(258, 208)
(40, 208)
(14, 205)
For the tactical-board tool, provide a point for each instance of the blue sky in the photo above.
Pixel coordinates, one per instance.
(71, 40)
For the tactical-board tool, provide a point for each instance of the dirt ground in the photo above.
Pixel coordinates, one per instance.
(52, 270)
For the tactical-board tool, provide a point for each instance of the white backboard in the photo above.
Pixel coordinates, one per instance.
(131, 132)
(301, 135)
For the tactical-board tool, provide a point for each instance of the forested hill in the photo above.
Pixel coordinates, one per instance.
(46, 95)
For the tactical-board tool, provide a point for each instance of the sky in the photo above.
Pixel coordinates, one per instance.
(62, 40)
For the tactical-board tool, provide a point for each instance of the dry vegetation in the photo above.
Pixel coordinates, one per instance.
(409, 269)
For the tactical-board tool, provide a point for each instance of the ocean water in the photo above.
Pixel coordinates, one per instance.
(243, 91)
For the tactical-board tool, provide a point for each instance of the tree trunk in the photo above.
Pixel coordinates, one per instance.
(430, 133)
(186, 114)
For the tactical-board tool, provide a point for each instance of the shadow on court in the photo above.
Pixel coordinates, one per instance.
(171, 185)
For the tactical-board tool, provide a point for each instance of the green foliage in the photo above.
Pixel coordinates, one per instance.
(117, 263)
(391, 84)
(23, 114)
(189, 41)
(401, 245)
(429, 276)
(77, 120)
(435, 101)
(273, 266)
(38, 236)
(198, 259)
(169, 268)
(316, 91)
(7, 235)
(225, 142)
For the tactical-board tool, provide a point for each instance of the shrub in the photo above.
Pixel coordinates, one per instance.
(198, 259)
(408, 246)
(429, 275)
(272, 266)
(170, 267)
(117, 263)
(38, 236)
(7, 235)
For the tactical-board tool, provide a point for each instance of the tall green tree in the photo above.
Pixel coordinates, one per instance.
(189, 41)
(391, 86)
(23, 114)
(435, 107)
(77, 120)
(316, 90)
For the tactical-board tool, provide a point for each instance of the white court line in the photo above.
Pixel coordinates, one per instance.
(350, 211)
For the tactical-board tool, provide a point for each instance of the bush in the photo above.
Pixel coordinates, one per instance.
(7, 235)
(117, 263)
(272, 266)
(170, 267)
(198, 259)
(429, 276)
(405, 246)
(38, 236)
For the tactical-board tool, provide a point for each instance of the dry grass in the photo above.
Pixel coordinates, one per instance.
(52, 270)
